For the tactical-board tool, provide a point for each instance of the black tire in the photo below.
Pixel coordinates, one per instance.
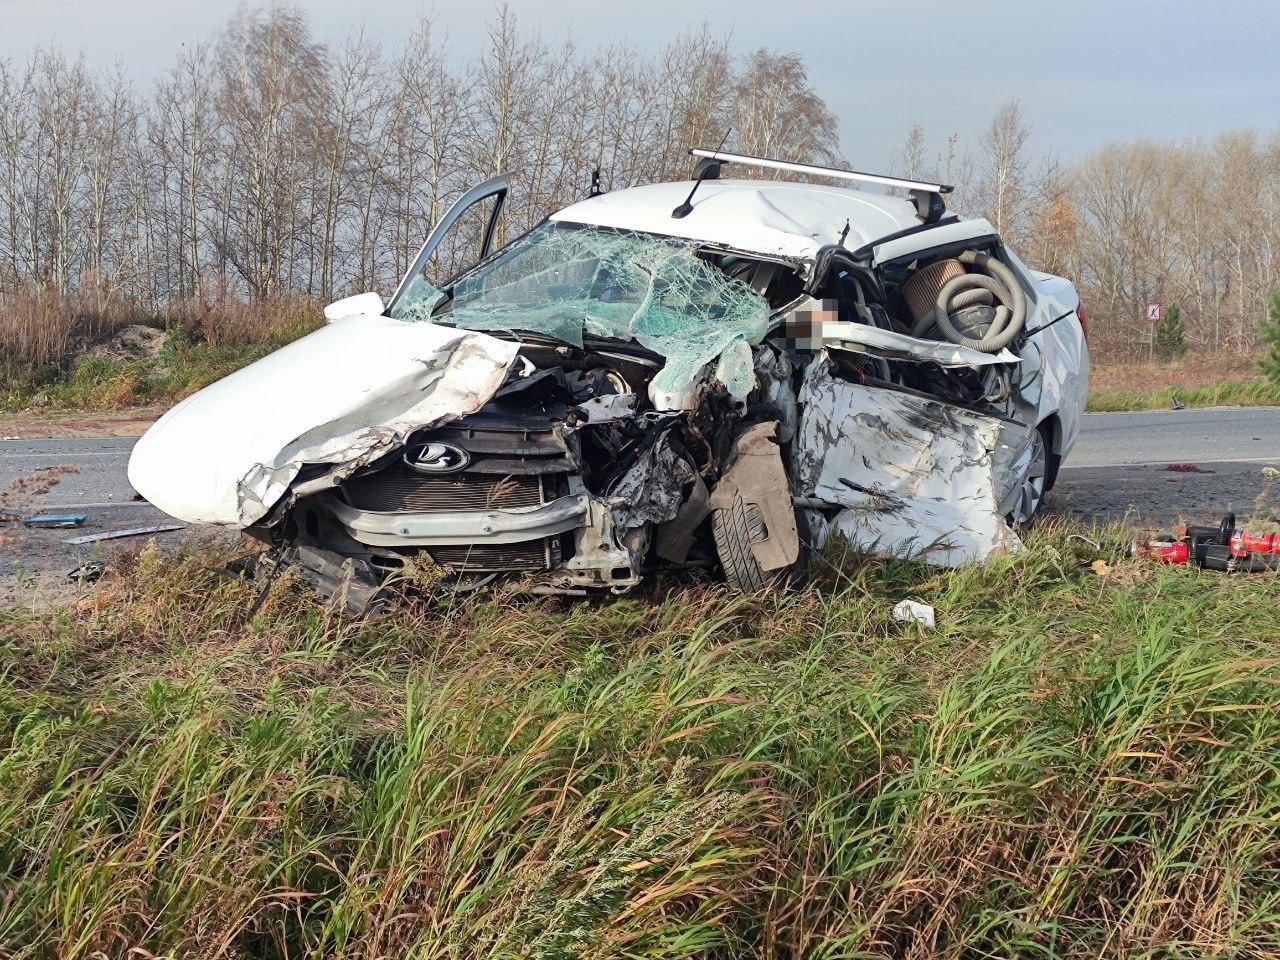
(1032, 495)
(735, 529)
(1049, 430)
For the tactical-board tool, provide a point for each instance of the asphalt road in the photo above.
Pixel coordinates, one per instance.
(1118, 469)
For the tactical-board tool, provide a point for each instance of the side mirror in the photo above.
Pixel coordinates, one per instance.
(361, 305)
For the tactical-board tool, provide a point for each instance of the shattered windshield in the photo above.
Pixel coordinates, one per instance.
(566, 281)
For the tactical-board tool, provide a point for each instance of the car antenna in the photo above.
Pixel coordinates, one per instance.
(844, 234)
(707, 170)
(595, 183)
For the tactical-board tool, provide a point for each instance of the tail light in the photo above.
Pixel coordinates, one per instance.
(1084, 320)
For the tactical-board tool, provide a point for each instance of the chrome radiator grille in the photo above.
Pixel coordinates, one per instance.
(509, 464)
(401, 490)
(493, 557)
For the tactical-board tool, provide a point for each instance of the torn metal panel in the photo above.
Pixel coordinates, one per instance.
(773, 375)
(608, 408)
(349, 582)
(653, 489)
(861, 338)
(343, 395)
(755, 470)
(915, 476)
(675, 537)
(604, 555)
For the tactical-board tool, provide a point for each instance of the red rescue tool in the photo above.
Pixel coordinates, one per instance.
(1224, 547)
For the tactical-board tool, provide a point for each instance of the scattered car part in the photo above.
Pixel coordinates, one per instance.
(753, 520)
(55, 521)
(90, 572)
(119, 534)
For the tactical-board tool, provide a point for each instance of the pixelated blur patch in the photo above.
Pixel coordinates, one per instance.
(812, 327)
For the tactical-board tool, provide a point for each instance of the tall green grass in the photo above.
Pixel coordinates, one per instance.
(1067, 767)
(1250, 393)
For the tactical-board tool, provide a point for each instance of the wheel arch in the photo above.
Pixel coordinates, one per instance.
(1051, 428)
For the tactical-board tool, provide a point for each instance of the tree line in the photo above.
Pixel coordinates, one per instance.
(271, 162)
(263, 163)
(1193, 225)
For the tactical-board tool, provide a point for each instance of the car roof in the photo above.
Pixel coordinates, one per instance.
(768, 217)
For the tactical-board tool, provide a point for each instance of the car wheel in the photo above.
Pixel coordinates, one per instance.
(735, 529)
(1034, 481)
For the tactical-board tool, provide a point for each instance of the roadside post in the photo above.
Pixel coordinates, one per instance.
(1154, 315)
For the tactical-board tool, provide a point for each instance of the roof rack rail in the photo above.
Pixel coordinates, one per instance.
(816, 170)
(927, 197)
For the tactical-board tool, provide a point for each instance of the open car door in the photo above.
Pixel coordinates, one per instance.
(470, 226)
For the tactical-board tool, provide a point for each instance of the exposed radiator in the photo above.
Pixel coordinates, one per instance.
(401, 490)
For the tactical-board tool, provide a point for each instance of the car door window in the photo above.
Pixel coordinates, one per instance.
(463, 237)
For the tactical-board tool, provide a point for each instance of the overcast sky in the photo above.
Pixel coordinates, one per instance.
(1085, 71)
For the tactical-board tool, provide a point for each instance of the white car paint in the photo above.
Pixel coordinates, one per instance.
(955, 232)
(354, 390)
(774, 218)
(345, 394)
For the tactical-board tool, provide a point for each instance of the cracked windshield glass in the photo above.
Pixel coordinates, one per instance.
(566, 282)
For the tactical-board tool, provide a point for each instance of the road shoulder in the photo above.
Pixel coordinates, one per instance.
(33, 424)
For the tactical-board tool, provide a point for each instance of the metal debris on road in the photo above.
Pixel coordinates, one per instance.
(59, 521)
(117, 534)
(87, 572)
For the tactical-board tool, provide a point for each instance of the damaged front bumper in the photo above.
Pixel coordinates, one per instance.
(470, 528)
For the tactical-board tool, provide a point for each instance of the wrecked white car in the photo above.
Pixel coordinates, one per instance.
(715, 373)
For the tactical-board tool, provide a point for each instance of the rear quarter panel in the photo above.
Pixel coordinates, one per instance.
(1062, 355)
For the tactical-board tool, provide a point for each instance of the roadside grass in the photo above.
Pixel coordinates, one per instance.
(1253, 393)
(1196, 380)
(1069, 766)
(185, 364)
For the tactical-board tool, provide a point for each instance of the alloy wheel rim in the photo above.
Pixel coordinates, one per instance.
(1032, 487)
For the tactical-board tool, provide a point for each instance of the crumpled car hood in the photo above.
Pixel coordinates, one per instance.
(346, 394)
